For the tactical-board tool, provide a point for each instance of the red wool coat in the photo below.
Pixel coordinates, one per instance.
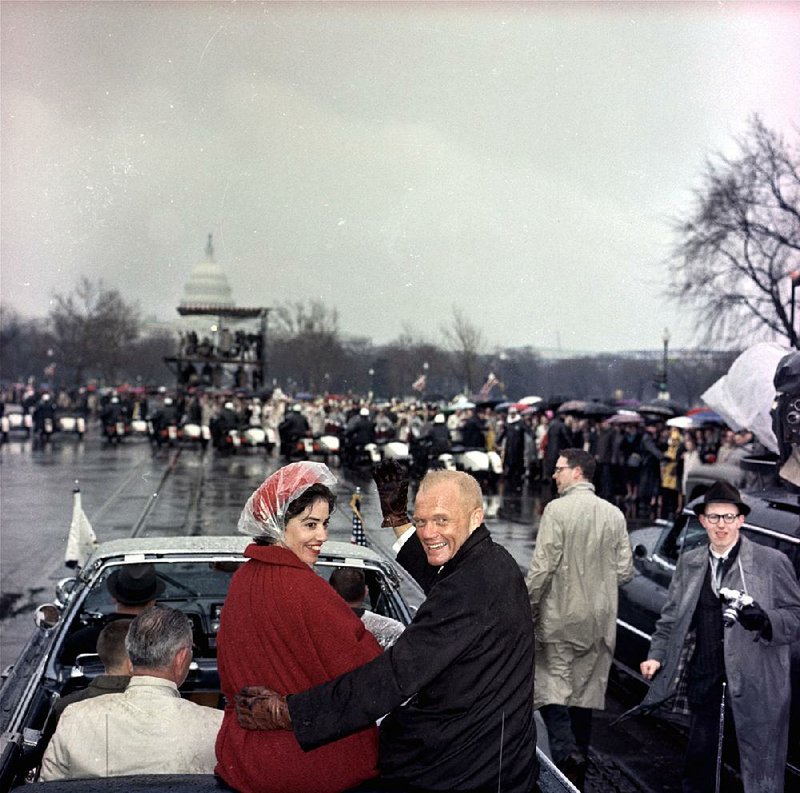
(283, 626)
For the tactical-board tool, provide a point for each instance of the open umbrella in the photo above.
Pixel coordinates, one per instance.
(662, 407)
(626, 418)
(530, 400)
(598, 410)
(572, 406)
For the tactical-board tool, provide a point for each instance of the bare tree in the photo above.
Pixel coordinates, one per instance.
(24, 346)
(306, 348)
(735, 251)
(93, 328)
(465, 341)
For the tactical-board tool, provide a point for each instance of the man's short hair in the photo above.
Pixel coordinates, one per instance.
(111, 644)
(467, 484)
(578, 458)
(349, 583)
(156, 635)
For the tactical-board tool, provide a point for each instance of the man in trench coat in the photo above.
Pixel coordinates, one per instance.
(581, 557)
(692, 654)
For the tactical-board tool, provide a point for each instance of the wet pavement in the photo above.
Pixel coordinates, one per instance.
(133, 490)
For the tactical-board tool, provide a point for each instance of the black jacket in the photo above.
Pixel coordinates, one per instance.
(457, 684)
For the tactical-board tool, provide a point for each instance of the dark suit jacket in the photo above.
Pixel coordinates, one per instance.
(457, 684)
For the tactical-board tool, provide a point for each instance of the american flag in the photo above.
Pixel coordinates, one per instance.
(357, 537)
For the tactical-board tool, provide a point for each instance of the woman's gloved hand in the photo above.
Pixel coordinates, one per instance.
(391, 477)
(260, 708)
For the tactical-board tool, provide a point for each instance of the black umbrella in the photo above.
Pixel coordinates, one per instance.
(597, 410)
(572, 406)
(662, 407)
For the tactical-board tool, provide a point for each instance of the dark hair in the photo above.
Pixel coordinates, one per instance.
(578, 458)
(111, 644)
(315, 492)
(349, 583)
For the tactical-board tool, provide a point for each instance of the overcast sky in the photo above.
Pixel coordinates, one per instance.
(521, 161)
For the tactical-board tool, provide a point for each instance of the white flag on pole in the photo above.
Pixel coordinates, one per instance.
(82, 539)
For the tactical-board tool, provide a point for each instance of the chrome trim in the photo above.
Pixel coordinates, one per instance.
(636, 631)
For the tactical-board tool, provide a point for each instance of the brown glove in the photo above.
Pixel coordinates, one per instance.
(391, 477)
(259, 708)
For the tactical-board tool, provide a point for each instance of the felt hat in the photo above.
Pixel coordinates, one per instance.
(724, 493)
(135, 584)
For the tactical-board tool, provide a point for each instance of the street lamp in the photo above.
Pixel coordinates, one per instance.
(371, 383)
(664, 382)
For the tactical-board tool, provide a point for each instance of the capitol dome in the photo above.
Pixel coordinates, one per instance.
(207, 286)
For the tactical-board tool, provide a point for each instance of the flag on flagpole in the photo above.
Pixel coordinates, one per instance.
(357, 537)
(82, 539)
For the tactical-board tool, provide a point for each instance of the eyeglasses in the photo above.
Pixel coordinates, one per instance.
(729, 518)
(559, 468)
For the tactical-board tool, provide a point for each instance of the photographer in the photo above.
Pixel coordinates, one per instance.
(746, 663)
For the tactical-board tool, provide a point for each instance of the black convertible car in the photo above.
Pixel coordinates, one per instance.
(196, 572)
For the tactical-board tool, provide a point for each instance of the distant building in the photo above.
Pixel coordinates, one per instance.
(207, 285)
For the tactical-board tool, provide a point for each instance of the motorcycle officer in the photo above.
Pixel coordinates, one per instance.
(44, 416)
(293, 427)
(360, 431)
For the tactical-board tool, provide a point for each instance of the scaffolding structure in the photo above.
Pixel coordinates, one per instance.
(220, 351)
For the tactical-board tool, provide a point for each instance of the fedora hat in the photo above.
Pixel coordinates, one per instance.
(135, 584)
(721, 492)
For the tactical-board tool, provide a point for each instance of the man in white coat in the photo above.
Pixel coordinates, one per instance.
(581, 557)
(149, 729)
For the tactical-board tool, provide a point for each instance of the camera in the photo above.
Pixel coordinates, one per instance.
(734, 601)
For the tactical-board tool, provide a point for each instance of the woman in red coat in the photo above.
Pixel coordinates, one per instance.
(284, 627)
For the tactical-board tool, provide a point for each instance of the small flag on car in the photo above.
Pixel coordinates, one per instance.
(357, 537)
(82, 539)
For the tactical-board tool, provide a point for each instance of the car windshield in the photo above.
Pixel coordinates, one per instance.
(183, 580)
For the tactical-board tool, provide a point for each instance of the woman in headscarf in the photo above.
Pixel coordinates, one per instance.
(284, 627)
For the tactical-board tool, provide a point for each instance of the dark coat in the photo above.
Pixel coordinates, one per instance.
(457, 684)
(757, 670)
(473, 435)
(559, 437)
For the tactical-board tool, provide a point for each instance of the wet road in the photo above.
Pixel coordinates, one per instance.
(130, 490)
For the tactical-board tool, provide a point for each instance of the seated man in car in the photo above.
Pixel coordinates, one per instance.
(114, 657)
(149, 729)
(350, 584)
(134, 588)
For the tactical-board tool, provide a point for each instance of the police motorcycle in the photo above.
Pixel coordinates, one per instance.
(225, 430)
(390, 447)
(192, 429)
(432, 449)
(471, 455)
(164, 424)
(292, 432)
(72, 423)
(359, 449)
(113, 418)
(254, 434)
(15, 418)
(44, 419)
(195, 433)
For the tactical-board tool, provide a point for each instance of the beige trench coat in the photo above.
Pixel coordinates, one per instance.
(582, 555)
